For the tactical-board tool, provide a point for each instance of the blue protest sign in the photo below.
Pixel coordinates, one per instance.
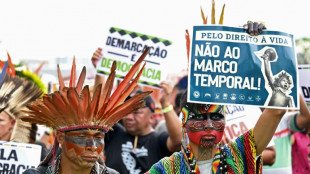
(228, 66)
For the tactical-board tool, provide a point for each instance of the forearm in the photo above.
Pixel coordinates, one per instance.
(303, 119)
(266, 127)
(174, 130)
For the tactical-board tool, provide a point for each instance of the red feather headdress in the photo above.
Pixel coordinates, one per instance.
(73, 108)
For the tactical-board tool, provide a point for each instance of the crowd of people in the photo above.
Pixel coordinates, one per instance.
(114, 129)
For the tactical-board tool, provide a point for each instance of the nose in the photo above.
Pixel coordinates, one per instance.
(208, 124)
(91, 145)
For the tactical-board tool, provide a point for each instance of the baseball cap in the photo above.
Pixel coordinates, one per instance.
(149, 102)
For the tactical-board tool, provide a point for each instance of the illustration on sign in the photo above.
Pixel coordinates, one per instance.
(229, 66)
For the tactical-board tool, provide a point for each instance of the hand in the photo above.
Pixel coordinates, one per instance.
(254, 28)
(165, 94)
(96, 56)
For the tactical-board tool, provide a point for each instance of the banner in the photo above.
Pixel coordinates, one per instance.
(304, 82)
(126, 47)
(228, 66)
(18, 157)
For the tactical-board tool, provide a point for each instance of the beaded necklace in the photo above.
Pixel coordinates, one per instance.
(219, 161)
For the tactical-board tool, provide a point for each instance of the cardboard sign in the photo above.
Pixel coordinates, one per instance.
(18, 157)
(228, 66)
(304, 82)
(126, 47)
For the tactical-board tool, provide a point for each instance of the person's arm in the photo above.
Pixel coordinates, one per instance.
(303, 118)
(268, 72)
(266, 127)
(173, 123)
(269, 155)
(97, 55)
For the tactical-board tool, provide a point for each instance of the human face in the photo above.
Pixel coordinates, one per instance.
(83, 147)
(205, 129)
(284, 83)
(6, 126)
(139, 122)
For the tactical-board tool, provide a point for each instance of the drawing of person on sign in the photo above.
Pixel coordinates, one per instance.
(279, 86)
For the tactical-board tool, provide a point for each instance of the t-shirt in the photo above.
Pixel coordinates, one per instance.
(283, 145)
(120, 153)
(205, 166)
(300, 153)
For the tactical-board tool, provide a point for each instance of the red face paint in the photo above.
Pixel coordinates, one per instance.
(206, 129)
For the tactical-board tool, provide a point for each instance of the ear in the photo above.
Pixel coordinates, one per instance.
(60, 137)
(13, 121)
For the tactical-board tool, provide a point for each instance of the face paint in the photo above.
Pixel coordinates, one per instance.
(205, 128)
(80, 141)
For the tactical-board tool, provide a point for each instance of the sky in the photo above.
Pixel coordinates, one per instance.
(44, 30)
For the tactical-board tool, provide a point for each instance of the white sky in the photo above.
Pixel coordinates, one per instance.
(41, 29)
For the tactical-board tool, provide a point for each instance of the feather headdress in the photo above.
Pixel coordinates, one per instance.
(16, 93)
(73, 108)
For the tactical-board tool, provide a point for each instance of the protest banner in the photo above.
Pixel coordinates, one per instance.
(18, 157)
(304, 82)
(228, 66)
(240, 119)
(126, 47)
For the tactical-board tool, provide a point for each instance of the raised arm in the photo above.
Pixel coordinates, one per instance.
(97, 55)
(172, 121)
(266, 127)
(303, 118)
(268, 72)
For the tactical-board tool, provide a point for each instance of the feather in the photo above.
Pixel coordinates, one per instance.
(73, 100)
(91, 110)
(222, 15)
(188, 42)
(213, 13)
(61, 81)
(80, 82)
(36, 71)
(127, 106)
(204, 19)
(11, 68)
(131, 87)
(84, 103)
(108, 85)
(118, 92)
(73, 75)
(3, 74)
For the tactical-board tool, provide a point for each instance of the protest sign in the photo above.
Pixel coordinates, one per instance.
(126, 47)
(240, 119)
(228, 66)
(18, 157)
(304, 82)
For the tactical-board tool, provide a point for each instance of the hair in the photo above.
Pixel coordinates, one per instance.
(278, 79)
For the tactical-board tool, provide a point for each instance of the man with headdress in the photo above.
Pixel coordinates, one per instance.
(15, 94)
(81, 121)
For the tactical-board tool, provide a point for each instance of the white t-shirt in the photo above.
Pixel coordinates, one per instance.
(205, 166)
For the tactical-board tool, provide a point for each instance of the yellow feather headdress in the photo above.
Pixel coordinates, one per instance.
(73, 108)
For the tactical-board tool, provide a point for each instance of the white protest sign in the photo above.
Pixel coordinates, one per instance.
(18, 157)
(126, 47)
(240, 119)
(304, 82)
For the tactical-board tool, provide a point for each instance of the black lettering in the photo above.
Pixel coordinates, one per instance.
(120, 43)
(13, 155)
(305, 91)
(2, 154)
(108, 41)
(19, 168)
